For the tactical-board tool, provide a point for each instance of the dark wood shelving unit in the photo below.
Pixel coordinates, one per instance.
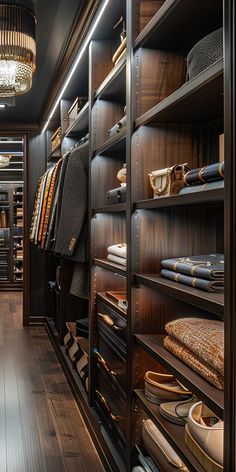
(173, 433)
(169, 121)
(153, 345)
(212, 302)
(200, 99)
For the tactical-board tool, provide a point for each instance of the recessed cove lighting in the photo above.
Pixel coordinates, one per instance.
(77, 60)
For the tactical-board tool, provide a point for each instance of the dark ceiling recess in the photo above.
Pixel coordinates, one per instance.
(55, 19)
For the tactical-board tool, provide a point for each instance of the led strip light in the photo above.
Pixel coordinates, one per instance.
(78, 58)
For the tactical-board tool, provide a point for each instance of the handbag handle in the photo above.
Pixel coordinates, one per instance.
(101, 361)
(160, 191)
(109, 322)
(103, 401)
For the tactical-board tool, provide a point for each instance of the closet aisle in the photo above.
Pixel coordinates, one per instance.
(41, 428)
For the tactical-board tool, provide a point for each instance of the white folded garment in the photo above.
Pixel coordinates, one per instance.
(119, 250)
(116, 259)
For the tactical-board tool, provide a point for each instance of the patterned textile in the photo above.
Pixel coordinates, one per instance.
(211, 286)
(189, 358)
(204, 338)
(208, 266)
(51, 192)
(80, 280)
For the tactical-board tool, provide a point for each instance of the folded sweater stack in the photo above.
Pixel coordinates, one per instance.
(199, 343)
(204, 272)
(118, 253)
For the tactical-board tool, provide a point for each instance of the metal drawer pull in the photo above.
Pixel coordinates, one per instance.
(103, 363)
(109, 322)
(103, 401)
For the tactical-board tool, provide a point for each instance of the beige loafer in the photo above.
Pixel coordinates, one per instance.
(204, 435)
(164, 388)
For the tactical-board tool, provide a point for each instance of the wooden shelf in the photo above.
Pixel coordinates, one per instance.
(83, 342)
(196, 198)
(81, 123)
(115, 144)
(176, 24)
(153, 345)
(112, 304)
(200, 99)
(173, 433)
(54, 154)
(212, 302)
(105, 264)
(111, 87)
(120, 207)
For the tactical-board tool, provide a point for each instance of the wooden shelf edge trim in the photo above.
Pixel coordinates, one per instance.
(120, 207)
(105, 264)
(110, 143)
(195, 198)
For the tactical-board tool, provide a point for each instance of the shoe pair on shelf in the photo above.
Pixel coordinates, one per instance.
(173, 399)
(204, 431)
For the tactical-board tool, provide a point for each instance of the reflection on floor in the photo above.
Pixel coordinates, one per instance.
(41, 429)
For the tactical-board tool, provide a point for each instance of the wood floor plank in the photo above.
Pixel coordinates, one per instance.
(41, 428)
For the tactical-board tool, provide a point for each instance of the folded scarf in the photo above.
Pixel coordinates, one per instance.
(116, 259)
(119, 250)
(211, 286)
(203, 337)
(190, 359)
(210, 266)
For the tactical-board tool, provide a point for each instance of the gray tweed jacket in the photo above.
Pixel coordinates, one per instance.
(72, 231)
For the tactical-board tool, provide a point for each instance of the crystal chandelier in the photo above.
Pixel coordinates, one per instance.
(17, 49)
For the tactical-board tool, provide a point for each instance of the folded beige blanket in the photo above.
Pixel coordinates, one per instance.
(204, 338)
(189, 358)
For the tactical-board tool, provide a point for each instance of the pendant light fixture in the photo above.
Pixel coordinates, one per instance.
(17, 49)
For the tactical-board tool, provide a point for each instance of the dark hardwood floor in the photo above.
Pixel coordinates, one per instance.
(41, 428)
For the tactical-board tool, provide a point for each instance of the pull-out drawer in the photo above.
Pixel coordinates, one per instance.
(113, 324)
(112, 407)
(109, 359)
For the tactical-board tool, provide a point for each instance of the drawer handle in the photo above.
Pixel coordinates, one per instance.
(109, 322)
(103, 401)
(103, 363)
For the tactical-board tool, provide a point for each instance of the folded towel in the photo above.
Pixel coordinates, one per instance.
(119, 250)
(189, 358)
(212, 286)
(210, 266)
(203, 337)
(116, 259)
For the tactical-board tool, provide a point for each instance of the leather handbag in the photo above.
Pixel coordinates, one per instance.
(156, 444)
(116, 195)
(168, 181)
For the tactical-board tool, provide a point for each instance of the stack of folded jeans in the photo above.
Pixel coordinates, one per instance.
(204, 272)
(206, 178)
(118, 253)
(199, 343)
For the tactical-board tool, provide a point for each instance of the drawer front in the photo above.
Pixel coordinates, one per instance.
(113, 323)
(113, 407)
(112, 363)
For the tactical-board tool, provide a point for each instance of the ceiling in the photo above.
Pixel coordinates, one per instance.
(54, 22)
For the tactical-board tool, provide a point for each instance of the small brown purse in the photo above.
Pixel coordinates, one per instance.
(169, 181)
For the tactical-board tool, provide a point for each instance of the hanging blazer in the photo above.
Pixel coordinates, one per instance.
(72, 235)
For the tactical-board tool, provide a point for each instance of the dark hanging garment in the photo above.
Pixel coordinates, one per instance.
(60, 193)
(72, 235)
